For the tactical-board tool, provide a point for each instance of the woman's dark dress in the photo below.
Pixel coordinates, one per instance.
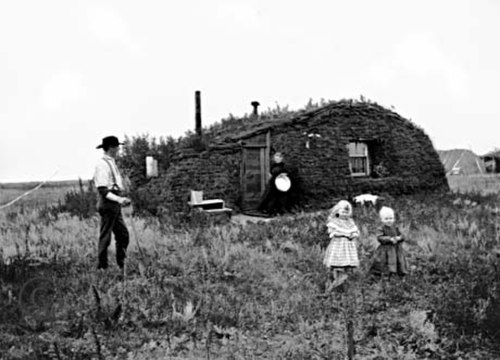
(275, 201)
(389, 258)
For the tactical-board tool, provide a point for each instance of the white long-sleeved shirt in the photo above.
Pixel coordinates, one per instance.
(107, 174)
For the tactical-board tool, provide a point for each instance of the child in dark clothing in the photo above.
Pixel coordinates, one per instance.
(389, 257)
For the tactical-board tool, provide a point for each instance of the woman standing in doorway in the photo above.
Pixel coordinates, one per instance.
(275, 200)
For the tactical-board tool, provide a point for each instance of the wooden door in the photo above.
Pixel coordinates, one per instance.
(254, 171)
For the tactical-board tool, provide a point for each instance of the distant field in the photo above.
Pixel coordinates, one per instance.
(49, 194)
(485, 184)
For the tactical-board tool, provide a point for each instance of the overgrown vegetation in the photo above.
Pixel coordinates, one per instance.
(255, 291)
(135, 149)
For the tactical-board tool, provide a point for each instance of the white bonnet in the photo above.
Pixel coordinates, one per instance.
(341, 205)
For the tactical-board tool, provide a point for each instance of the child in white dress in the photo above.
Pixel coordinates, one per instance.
(341, 254)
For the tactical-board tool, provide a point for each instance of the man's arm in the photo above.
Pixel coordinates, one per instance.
(102, 179)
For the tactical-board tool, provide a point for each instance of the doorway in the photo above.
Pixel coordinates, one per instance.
(254, 170)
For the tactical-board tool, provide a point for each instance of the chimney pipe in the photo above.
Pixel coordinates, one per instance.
(255, 105)
(197, 96)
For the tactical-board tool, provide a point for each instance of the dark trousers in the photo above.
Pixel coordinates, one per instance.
(112, 222)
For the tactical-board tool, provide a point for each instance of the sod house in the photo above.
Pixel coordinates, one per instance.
(341, 149)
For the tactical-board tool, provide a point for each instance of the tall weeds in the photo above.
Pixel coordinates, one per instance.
(232, 291)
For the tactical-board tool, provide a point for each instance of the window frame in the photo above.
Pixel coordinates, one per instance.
(365, 156)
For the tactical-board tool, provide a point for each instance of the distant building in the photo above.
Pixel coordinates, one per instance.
(461, 162)
(491, 162)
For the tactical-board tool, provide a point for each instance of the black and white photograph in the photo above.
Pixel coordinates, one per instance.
(249, 179)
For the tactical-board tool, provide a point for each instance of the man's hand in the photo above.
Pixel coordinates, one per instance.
(122, 200)
(125, 201)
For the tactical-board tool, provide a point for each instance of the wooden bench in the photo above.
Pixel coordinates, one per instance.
(212, 206)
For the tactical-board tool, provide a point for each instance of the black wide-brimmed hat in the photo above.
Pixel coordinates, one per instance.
(109, 141)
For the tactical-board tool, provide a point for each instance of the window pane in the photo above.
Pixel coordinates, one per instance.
(357, 149)
(358, 165)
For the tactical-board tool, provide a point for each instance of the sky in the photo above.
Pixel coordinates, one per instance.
(73, 72)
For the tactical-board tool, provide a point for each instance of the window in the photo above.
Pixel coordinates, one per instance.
(359, 161)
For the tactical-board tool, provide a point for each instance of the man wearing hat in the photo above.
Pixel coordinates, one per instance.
(109, 184)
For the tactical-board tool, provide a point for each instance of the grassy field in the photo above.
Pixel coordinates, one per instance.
(49, 194)
(484, 184)
(257, 291)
